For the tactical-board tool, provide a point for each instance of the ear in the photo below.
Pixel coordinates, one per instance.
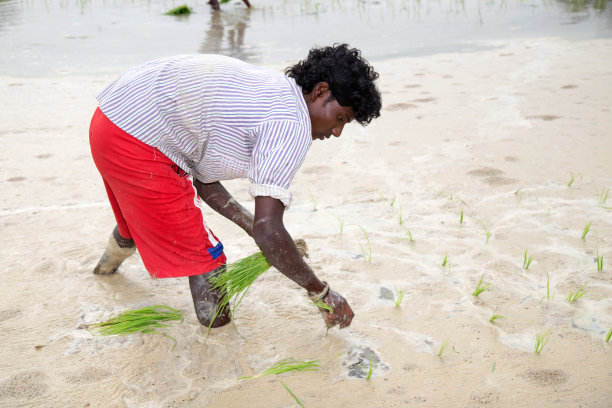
(321, 89)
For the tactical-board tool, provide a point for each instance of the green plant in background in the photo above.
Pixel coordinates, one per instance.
(600, 260)
(400, 296)
(574, 295)
(573, 178)
(370, 370)
(313, 199)
(547, 290)
(479, 288)
(442, 348)
(179, 11)
(340, 221)
(297, 400)
(236, 280)
(445, 260)
(586, 230)
(495, 316)
(486, 230)
(527, 260)
(541, 340)
(145, 320)
(367, 252)
(286, 366)
(603, 197)
(609, 335)
(401, 213)
(412, 241)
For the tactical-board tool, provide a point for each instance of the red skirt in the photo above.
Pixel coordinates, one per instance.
(155, 203)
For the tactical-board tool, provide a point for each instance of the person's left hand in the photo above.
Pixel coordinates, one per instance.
(342, 314)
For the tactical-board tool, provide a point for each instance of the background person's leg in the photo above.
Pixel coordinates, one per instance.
(205, 299)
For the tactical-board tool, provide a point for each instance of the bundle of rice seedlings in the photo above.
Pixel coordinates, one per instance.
(238, 277)
(236, 280)
(287, 365)
(146, 320)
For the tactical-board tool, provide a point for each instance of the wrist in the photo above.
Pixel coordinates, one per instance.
(319, 295)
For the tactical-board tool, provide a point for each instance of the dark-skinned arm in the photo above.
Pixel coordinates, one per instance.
(220, 200)
(277, 245)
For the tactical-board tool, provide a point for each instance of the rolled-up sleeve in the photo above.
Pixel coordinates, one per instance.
(278, 153)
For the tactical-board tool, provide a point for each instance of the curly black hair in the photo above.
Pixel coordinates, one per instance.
(349, 76)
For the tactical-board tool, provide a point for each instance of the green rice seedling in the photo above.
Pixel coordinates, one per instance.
(547, 290)
(412, 241)
(445, 260)
(573, 178)
(461, 217)
(495, 316)
(609, 335)
(297, 400)
(400, 296)
(479, 288)
(370, 370)
(367, 252)
(493, 368)
(600, 260)
(401, 213)
(586, 230)
(381, 195)
(145, 320)
(541, 340)
(527, 260)
(518, 194)
(286, 366)
(392, 201)
(486, 230)
(236, 280)
(313, 199)
(442, 348)
(340, 220)
(179, 11)
(319, 303)
(574, 295)
(603, 197)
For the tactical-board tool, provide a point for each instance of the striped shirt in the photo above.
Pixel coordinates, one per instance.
(217, 118)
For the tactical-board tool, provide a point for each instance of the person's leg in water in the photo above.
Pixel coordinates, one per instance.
(117, 250)
(205, 299)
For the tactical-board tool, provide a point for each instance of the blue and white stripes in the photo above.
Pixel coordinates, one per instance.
(217, 118)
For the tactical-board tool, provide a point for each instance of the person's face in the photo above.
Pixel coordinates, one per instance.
(327, 117)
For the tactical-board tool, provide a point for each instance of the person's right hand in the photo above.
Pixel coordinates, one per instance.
(342, 314)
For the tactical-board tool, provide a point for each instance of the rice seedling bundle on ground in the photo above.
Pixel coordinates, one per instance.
(286, 366)
(146, 320)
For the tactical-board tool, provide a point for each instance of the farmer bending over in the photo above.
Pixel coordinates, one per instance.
(167, 132)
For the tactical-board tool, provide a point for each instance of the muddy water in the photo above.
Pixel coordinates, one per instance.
(94, 36)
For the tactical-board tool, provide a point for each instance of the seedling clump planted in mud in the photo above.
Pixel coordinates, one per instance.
(541, 340)
(574, 295)
(479, 288)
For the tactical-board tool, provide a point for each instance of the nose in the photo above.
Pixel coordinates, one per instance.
(337, 131)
